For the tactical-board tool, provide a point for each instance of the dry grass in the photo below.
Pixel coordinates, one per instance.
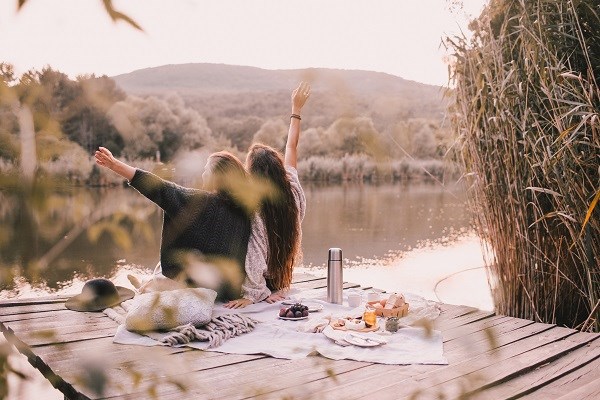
(526, 110)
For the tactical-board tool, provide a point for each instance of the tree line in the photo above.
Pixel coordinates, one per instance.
(72, 117)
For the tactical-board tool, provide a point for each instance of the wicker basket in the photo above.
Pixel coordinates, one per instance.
(390, 312)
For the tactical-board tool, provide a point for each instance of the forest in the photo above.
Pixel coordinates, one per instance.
(357, 131)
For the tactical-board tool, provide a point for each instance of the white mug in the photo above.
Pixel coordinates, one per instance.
(354, 299)
(372, 296)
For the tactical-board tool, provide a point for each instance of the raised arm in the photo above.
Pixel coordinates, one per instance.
(105, 158)
(299, 97)
(167, 195)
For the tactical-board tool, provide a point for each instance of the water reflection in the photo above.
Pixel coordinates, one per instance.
(84, 233)
(369, 221)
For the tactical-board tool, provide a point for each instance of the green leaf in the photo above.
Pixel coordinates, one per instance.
(589, 212)
(116, 15)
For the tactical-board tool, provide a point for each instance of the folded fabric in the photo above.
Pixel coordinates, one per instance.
(218, 330)
(170, 309)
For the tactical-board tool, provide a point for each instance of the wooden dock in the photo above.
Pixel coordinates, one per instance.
(490, 357)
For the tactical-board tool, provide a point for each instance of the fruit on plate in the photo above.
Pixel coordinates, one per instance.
(297, 310)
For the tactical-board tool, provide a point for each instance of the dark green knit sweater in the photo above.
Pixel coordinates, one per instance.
(199, 225)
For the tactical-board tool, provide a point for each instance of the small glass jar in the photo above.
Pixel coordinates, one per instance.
(391, 324)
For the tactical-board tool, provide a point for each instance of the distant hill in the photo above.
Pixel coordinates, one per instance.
(236, 100)
(198, 78)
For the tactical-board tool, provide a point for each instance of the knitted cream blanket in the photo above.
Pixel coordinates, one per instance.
(218, 330)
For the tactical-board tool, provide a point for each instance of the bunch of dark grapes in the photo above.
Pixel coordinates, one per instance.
(296, 311)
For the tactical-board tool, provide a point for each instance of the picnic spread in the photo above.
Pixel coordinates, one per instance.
(304, 325)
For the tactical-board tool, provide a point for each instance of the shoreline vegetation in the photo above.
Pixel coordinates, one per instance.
(527, 104)
(352, 132)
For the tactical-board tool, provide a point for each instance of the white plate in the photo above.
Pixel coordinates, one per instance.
(312, 307)
(293, 319)
(358, 340)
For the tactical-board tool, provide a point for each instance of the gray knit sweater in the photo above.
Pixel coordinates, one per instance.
(199, 223)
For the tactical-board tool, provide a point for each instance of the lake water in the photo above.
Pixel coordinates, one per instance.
(396, 237)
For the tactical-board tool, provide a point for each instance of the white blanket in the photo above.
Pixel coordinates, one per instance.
(295, 339)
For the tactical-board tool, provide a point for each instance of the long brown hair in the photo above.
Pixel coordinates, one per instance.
(280, 214)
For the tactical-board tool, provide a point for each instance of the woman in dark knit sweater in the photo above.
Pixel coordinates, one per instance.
(205, 232)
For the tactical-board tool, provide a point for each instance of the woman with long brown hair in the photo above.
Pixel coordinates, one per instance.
(274, 245)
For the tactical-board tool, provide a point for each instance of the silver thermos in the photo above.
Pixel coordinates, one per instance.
(335, 280)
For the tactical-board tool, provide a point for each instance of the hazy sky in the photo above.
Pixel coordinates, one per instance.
(401, 37)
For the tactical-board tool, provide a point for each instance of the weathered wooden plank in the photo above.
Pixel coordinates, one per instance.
(252, 378)
(67, 350)
(545, 374)
(50, 337)
(588, 373)
(478, 344)
(34, 300)
(507, 369)
(451, 314)
(32, 308)
(162, 373)
(69, 324)
(488, 336)
(589, 391)
(522, 363)
(9, 319)
(476, 326)
(295, 383)
(486, 369)
(460, 320)
(329, 386)
(107, 354)
(23, 323)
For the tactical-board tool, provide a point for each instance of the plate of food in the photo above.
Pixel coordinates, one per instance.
(292, 319)
(295, 312)
(363, 340)
(313, 306)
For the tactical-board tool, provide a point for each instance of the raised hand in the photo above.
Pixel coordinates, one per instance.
(104, 158)
(299, 97)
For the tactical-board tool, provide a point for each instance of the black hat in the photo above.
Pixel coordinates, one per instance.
(98, 294)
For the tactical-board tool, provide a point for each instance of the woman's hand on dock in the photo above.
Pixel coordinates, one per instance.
(239, 303)
(275, 297)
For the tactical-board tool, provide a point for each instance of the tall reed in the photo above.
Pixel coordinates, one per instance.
(526, 111)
